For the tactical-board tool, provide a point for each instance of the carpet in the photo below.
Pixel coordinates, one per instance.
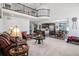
(52, 47)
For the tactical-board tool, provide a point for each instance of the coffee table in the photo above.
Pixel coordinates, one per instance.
(19, 52)
(39, 39)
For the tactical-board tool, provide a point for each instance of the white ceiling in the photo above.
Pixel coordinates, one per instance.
(32, 5)
(37, 5)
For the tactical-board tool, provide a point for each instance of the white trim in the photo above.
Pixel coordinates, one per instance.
(18, 14)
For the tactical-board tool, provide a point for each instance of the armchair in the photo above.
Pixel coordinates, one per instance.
(26, 36)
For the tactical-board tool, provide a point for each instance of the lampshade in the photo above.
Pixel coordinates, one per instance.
(16, 32)
(10, 29)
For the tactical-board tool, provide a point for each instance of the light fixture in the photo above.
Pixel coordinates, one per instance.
(16, 34)
(67, 28)
(74, 20)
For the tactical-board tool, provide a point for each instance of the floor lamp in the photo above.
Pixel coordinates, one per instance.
(74, 20)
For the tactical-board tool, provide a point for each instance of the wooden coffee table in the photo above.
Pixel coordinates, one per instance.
(39, 39)
(19, 52)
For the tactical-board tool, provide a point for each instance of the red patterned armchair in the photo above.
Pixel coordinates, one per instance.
(6, 43)
(26, 36)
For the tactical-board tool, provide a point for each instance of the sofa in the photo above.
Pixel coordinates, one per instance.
(73, 39)
(7, 43)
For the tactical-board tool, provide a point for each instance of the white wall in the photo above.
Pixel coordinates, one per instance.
(1, 21)
(1, 26)
(22, 23)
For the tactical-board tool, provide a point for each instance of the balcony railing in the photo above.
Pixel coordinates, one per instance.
(19, 8)
(43, 12)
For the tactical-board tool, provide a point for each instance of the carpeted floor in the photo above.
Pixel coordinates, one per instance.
(52, 47)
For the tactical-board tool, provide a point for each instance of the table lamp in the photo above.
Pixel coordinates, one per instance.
(16, 34)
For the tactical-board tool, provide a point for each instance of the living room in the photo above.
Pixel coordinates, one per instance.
(50, 27)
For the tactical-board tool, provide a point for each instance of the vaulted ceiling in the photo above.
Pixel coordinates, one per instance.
(32, 5)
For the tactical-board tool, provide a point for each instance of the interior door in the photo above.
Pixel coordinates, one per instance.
(52, 29)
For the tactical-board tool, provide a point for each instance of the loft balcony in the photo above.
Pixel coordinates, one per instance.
(18, 7)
